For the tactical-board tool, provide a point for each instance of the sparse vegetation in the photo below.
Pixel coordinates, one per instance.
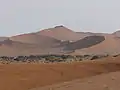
(48, 58)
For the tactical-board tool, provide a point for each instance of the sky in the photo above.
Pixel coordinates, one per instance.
(23, 16)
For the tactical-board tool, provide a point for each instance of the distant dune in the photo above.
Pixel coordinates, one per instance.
(12, 48)
(15, 48)
(62, 33)
(60, 40)
(33, 38)
(109, 46)
(85, 42)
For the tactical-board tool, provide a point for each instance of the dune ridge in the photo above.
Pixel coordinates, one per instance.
(60, 40)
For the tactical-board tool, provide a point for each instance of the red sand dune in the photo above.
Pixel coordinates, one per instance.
(12, 48)
(85, 42)
(62, 33)
(109, 46)
(15, 48)
(54, 40)
(33, 38)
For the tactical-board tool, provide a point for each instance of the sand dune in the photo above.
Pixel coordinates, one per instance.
(44, 42)
(109, 46)
(33, 38)
(60, 40)
(13, 48)
(62, 33)
(16, 48)
(85, 42)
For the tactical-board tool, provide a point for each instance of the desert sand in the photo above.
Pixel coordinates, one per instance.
(110, 81)
(30, 76)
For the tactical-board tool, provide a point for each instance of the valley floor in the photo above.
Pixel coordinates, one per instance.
(110, 81)
(33, 76)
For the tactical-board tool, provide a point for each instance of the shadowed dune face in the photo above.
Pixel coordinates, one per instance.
(109, 46)
(85, 43)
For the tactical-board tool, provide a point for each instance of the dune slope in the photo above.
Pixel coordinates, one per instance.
(109, 46)
(85, 42)
(62, 33)
(33, 38)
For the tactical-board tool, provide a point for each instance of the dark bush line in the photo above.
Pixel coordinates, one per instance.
(50, 58)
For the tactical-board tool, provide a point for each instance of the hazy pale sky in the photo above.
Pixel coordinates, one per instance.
(19, 16)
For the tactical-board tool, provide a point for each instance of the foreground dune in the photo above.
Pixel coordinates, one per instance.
(28, 76)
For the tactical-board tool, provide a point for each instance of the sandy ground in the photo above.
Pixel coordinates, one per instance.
(109, 81)
(29, 76)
